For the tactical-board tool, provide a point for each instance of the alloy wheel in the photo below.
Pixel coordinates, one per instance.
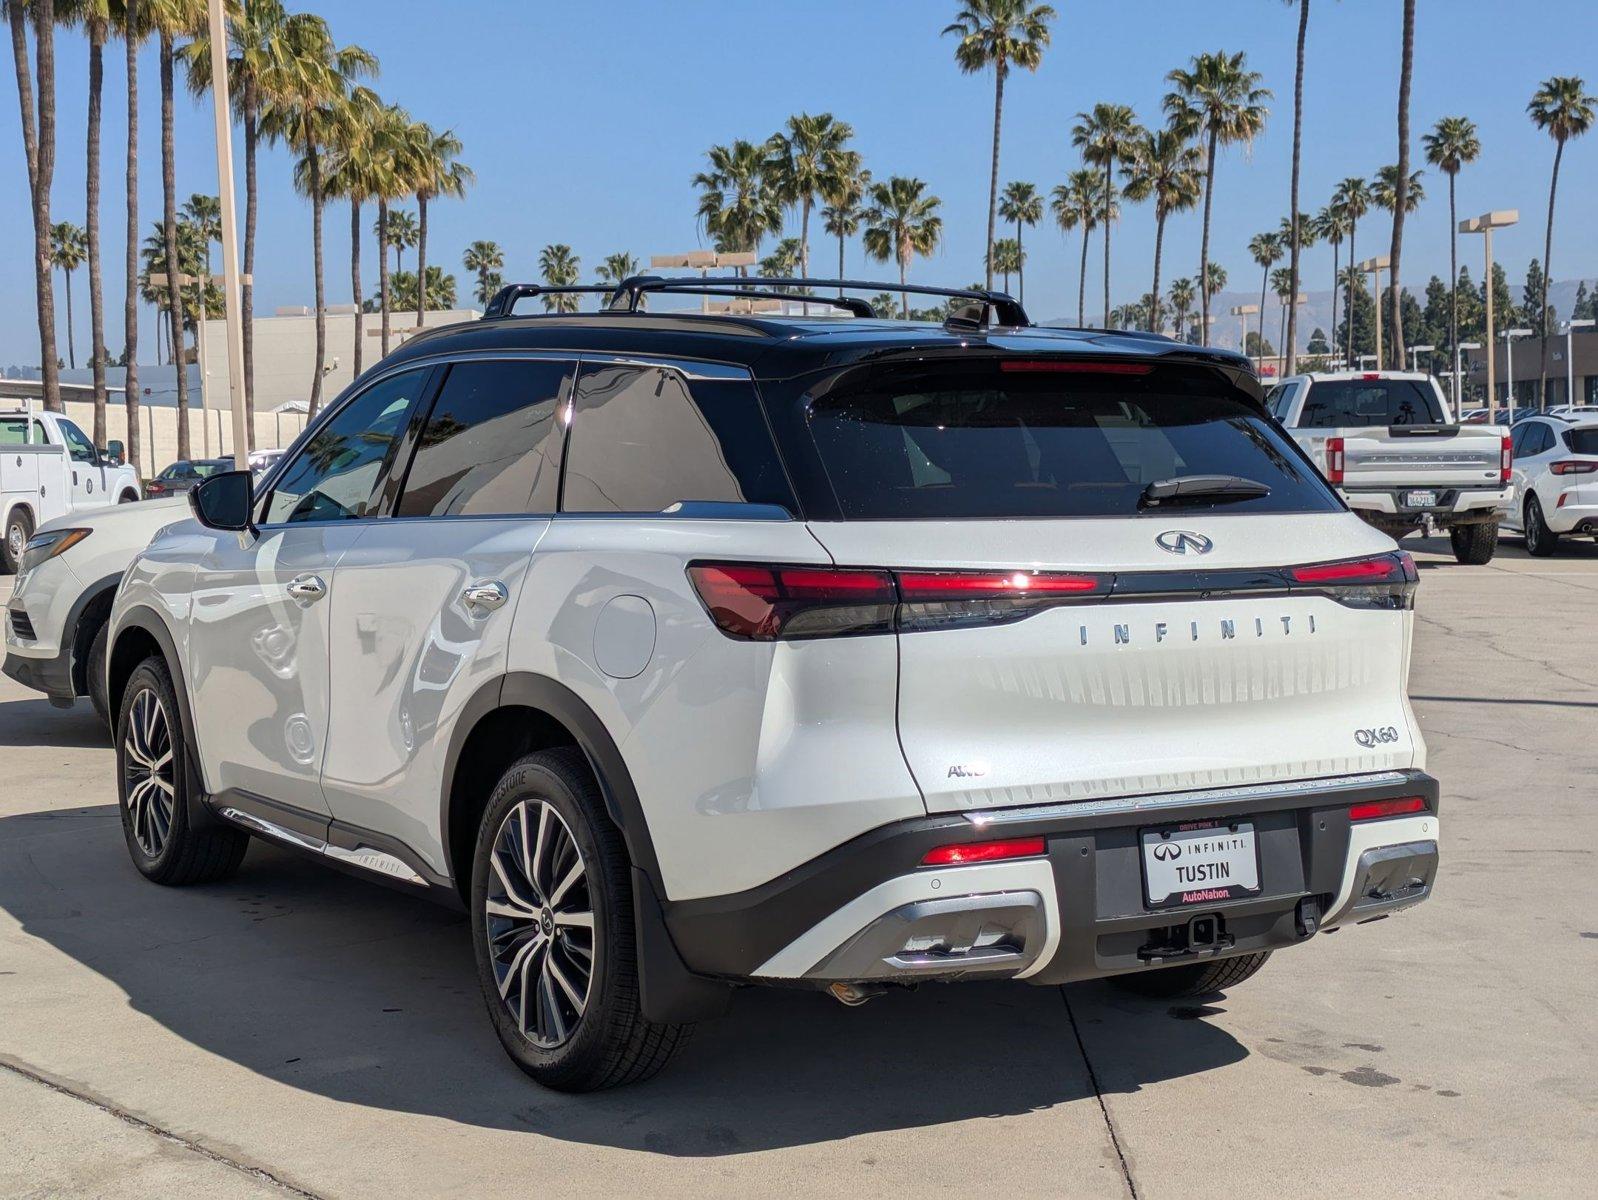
(147, 772)
(16, 541)
(540, 923)
(1534, 525)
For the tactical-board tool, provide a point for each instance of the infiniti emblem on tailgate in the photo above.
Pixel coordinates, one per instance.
(1180, 541)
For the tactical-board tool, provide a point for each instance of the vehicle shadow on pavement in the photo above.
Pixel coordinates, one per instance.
(37, 723)
(363, 995)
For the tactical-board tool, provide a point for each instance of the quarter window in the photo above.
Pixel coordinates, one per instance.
(492, 442)
(336, 473)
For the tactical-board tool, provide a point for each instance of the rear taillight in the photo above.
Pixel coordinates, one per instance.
(982, 852)
(1506, 456)
(1375, 810)
(1380, 581)
(764, 603)
(1334, 460)
(1573, 466)
(954, 599)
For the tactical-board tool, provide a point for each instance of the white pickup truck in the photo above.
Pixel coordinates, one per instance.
(49, 468)
(1387, 441)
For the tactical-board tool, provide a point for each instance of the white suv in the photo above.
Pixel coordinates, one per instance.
(691, 651)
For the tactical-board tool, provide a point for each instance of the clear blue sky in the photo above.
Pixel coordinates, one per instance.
(586, 121)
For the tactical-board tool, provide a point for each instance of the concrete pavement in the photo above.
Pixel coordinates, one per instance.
(296, 1031)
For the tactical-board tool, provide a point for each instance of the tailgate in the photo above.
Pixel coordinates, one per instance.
(1425, 456)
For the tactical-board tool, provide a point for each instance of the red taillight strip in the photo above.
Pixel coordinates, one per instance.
(1383, 568)
(1573, 466)
(1335, 460)
(1375, 810)
(1506, 454)
(966, 585)
(1068, 366)
(981, 852)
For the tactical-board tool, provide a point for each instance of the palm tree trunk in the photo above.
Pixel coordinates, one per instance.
(1204, 245)
(1401, 200)
(169, 233)
(130, 303)
(72, 352)
(840, 259)
(355, 279)
(382, 269)
(804, 237)
(904, 296)
(999, 69)
(1265, 276)
(1082, 283)
(1291, 336)
(38, 142)
(1154, 296)
(1109, 199)
(1020, 264)
(252, 137)
(1348, 356)
(1282, 327)
(1453, 291)
(1333, 340)
(421, 259)
(97, 34)
(315, 161)
(1540, 324)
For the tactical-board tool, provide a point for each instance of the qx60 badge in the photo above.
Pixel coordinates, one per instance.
(1182, 541)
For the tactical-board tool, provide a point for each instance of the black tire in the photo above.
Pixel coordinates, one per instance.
(155, 816)
(19, 528)
(129, 497)
(94, 675)
(1193, 979)
(1541, 541)
(606, 1042)
(1475, 545)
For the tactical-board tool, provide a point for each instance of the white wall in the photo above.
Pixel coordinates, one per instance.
(158, 430)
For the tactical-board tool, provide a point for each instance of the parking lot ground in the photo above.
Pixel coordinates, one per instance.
(294, 1031)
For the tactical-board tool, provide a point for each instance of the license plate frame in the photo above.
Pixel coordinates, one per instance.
(1240, 881)
(1420, 498)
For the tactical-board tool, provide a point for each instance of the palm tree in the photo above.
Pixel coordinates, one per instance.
(1562, 109)
(739, 203)
(1107, 133)
(352, 171)
(1077, 202)
(1332, 223)
(398, 224)
(1266, 250)
(1022, 206)
(95, 17)
(845, 206)
(1166, 166)
(998, 33)
(616, 267)
(902, 222)
(38, 143)
(1295, 240)
(308, 117)
(1307, 234)
(393, 165)
(1007, 259)
(560, 268)
(1449, 146)
(811, 159)
(1282, 286)
(1353, 198)
(486, 260)
(439, 172)
(133, 25)
(782, 262)
(1220, 98)
(204, 214)
(882, 304)
(69, 246)
(1399, 195)
(1401, 180)
(1181, 297)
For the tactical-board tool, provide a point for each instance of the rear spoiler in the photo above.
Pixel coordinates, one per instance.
(1422, 430)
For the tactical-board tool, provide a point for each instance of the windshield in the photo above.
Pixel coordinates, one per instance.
(1011, 440)
(1338, 403)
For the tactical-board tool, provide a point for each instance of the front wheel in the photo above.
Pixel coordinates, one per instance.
(128, 497)
(552, 927)
(1193, 979)
(1475, 545)
(1540, 540)
(19, 528)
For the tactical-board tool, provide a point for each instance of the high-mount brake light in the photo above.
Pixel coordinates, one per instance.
(763, 603)
(1375, 810)
(1573, 466)
(1334, 460)
(1071, 366)
(1506, 455)
(1381, 581)
(983, 852)
(1371, 375)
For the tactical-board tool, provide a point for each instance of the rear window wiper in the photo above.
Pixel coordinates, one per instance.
(1185, 488)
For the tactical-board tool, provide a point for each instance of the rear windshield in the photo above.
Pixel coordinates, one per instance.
(975, 441)
(1332, 403)
(1582, 441)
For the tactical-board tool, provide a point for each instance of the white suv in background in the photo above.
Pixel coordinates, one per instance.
(1554, 481)
(691, 651)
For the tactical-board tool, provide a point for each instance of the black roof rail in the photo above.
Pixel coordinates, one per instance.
(505, 299)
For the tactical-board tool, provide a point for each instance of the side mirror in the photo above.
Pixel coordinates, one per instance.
(225, 501)
(115, 453)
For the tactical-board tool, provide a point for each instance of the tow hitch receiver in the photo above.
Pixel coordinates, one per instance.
(1203, 935)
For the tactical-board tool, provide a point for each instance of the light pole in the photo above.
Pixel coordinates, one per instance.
(1458, 399)
(1243, 312)
(1509, 336)
(1484, 225)
(1414, 355)
(1376, 266)
(1571, 326)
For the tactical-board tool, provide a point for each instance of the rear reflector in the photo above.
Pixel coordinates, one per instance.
(1374, 810)
(1573, 466)
(1024, 366)
(1334, 460)
(981, 852)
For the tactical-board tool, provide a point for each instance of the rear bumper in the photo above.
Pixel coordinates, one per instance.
(1454, 505)
(867, 911)
(1572, 518)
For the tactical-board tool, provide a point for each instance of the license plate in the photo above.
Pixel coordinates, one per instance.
(1426, 499)
(1199, 863)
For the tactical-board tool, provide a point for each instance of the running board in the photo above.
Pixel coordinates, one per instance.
(321, 836)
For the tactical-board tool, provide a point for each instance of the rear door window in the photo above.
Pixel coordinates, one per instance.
(491, 445)
(644, 438)
(1341, 403)
(982, 441)
(1583, 441)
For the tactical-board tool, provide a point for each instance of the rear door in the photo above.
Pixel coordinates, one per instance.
(1060, 636)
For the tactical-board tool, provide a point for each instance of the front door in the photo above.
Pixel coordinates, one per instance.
(260, 631)
(84, 468)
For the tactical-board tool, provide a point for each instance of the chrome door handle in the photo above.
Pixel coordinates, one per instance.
(485, 595)
(307, 588)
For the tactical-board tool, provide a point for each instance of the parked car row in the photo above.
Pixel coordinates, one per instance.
(687, 652)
